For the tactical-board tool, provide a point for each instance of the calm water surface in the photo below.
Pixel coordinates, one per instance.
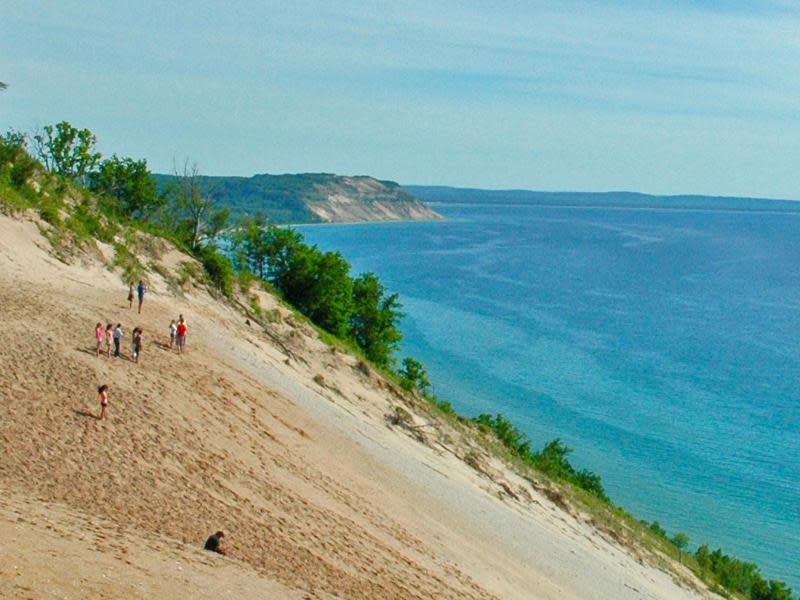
(663, 346)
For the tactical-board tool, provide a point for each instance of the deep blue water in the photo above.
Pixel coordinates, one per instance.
(662, 345)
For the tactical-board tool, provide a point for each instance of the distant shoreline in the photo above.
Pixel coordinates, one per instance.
(619, 207)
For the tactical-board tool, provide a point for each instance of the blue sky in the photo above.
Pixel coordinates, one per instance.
(661, 97)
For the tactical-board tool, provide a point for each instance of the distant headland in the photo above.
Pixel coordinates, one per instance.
(313, 198)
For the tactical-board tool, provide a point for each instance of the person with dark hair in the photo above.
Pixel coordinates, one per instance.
(140, 289)
(214, 543)
(130, 295)
(136, 343)
(118, 335)
(180, 337)
(102, 391)
(98, 336)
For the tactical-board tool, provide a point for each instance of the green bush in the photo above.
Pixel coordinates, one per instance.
(132, 269)
(219, 270)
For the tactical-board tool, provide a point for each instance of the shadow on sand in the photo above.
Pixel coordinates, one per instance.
(86, 413)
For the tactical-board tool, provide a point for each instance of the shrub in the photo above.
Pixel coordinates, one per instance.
(132, 269)
(219, 270)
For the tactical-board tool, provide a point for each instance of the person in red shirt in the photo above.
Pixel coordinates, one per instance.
(180, 339)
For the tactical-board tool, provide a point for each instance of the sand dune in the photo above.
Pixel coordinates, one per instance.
(266, 433)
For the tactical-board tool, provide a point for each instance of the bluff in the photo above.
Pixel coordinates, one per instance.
(313, 198)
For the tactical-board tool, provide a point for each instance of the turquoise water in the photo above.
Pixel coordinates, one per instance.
(663, 346)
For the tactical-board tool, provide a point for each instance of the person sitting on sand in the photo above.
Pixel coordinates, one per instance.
(214, 543)
(140, 292)
(98, 336)
(109, 338)
(130, 295)
(102, 391)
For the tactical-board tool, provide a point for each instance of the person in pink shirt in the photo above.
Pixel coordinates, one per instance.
(98, 336)
(109, 337)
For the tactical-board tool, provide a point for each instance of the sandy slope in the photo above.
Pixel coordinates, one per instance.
(267, 434)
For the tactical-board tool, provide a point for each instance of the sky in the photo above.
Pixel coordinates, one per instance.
(662, 97)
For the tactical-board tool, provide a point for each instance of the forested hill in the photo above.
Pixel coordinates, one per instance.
(312, 198)
(452, 195)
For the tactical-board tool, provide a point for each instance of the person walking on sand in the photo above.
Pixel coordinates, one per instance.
(98, 336)
(130, 295)
(102, 391)
(118, 335)
(180, 339)
(140, 289)
(214, 543)
(109, 337)
(136, 344)
(173, 333)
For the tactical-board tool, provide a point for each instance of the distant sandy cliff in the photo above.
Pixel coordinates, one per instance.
(313, 198)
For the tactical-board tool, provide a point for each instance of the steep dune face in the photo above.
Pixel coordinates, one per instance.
(261, 431)
(363, 199)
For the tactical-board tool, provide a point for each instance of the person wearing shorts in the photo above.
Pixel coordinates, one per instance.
(118, 335)
(98, 336)
(140, 289)
(173, 333)
(109, 338)
(180, 338)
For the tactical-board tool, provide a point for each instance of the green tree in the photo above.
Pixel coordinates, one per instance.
(127, 186)
(218, 268)
(373, 324)
(14, 156)
(413, 375)
(249, 245)
(196, 216)
(552, 459)
(680, 541)
(66, 150)
(317, 283)
(656, 528)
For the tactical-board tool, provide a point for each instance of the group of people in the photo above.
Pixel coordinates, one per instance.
(111, 336)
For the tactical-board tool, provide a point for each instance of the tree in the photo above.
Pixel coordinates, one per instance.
(66, 150)
(317, 283)
(552, 459)
(508, 434)
(128, 184)
(656, 528)
(373, 324)
(680, 541)
(414, 375)
(194, 208)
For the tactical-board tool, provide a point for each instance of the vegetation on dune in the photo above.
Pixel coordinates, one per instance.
(83, 198)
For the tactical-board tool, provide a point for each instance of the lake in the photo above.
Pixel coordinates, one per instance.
(662, 345)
